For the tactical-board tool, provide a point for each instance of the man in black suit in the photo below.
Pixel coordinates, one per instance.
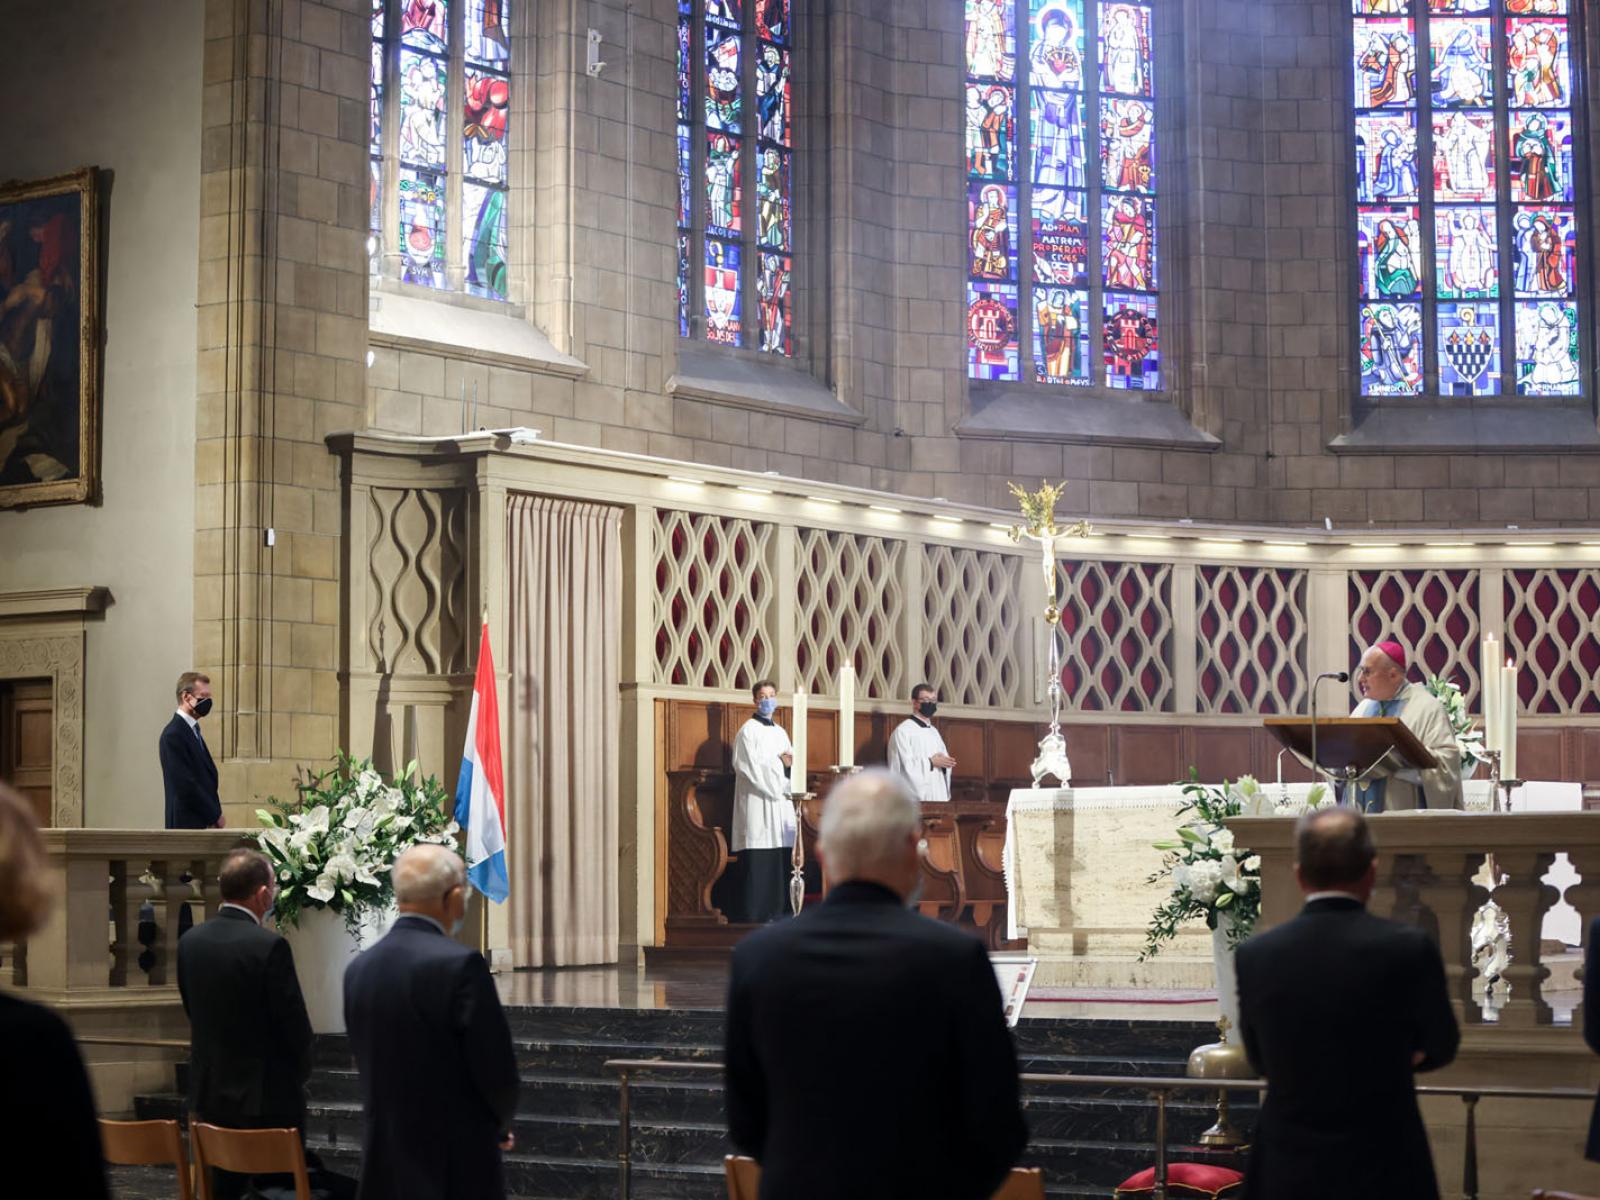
(189, 775)
(867, 1052)
(1591, 1026)
(250, 1039)
(438, 1071)
(1338, 1009)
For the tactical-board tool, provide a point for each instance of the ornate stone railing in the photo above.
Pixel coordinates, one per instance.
(1432, 873)
(120, 895)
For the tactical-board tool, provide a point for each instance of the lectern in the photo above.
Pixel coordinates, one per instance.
(1349, 747)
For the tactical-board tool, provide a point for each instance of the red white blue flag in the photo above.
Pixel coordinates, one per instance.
(481, 788)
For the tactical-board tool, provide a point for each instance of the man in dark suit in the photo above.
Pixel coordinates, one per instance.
(250, 1039)
(1338, 1009)
(867, 1052)
(438, 1071)
(189, 775)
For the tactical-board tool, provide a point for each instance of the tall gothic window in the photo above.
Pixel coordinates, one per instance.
(1069, 142)
(730, 266)
(1462, 175)
(441, 104)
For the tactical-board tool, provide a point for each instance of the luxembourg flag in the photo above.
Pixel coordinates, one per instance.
(481, 789)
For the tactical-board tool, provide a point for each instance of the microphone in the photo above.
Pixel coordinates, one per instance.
(1342, 677)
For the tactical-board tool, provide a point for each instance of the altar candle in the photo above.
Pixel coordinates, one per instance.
(847, 716)
(797, 738)
(1489, 689)
(1508, 701)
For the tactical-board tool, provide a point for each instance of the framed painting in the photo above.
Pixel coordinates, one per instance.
(49, 340)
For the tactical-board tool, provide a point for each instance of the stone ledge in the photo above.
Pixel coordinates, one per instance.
(706, 373)
(53, 602)
(403, 321)
(1088, 419)
(1470, 429)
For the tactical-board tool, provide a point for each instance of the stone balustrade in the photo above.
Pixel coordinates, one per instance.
(120, 894)
(1432, 873)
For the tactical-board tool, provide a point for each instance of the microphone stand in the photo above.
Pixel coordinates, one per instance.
(1342, 677)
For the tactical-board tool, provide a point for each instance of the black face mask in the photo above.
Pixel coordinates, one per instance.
(202, 707)
(927, 708)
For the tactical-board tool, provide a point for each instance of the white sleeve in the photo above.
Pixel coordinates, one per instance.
(756, 761)
(1442, 784)
(907, 760)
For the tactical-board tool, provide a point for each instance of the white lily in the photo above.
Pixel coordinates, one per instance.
(1222, 841)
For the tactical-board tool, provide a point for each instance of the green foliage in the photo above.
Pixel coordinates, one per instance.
(333, 845)
(1211, 877)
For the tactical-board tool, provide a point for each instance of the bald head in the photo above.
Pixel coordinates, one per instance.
(871, 825)
(1334, 852)
(432, 881)
(1379, 677)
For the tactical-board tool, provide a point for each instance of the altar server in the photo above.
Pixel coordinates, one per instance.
(1382, 680)
(763, 813)
(916, 750)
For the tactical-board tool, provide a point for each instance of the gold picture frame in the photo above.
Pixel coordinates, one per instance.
(50, 371)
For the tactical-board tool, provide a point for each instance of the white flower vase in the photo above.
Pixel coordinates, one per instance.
(323, 948)
(1227, 983)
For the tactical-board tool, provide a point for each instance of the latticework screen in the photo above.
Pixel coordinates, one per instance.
(970, 626)
(1553, 633)
(1433, 613)
(1251, 631)
(850, 605)
(1117, 622)
(713, 600)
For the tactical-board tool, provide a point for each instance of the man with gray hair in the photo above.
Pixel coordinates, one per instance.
(867, 1051)
(438, 1070)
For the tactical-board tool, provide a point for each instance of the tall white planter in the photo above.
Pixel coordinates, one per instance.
(323, 948)
(1227, 983)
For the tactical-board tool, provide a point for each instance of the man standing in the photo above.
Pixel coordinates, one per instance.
(916, 750)
(250, 1039)
(187, 771)
(867, 1051)
(438, 1070)
(1381, 677)
(763, 813)
(1338, 1009)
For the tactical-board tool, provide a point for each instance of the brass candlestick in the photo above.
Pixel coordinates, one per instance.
(797, 853)
(1220, 1059)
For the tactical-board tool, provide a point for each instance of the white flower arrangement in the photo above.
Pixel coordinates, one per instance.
(333, 847)
(1212, 876)
(1469, 738)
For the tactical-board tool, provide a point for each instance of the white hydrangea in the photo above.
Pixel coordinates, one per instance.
(1204, 878)
(1253, 863)
(1222, 840)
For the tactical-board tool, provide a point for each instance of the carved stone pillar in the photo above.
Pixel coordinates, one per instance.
(1526, 900)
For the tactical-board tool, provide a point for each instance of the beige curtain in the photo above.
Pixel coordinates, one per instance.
(563, 730)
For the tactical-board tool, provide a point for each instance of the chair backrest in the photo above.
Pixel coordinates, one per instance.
(1022, 1184)
(744, 1177)
(146, 1143)
(249, 1152)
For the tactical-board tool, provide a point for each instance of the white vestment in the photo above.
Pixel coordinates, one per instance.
(1420, 712)
(911, 747)
(763, 813)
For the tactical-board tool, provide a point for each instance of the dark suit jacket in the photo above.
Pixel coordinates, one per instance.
(250, 1052)
(1333, 1004)
(868, 1057)
(46, 1107)
(438, 1070)
(190, 778)
(1591, 1024)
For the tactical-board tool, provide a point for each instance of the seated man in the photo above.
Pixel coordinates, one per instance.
(867, 1050)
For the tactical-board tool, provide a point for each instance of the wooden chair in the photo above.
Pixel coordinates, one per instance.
(1024, 1183)
(744, 1177)
(249, 1152)
(147, 1144)
(744, 1181)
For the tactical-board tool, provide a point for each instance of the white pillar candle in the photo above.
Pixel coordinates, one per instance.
(797, 736)
(847, 716)
(1509, 702)
(1489, 693)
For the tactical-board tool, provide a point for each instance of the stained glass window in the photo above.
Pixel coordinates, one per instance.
(446, 157)
(735, 138)
(1060, 146)
(1466, 231)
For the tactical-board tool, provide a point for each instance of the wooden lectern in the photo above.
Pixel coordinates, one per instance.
(1349, 747)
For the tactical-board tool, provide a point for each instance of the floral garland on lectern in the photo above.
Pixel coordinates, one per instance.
(1213, 880)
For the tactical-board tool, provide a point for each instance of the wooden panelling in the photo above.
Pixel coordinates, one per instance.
(1586, 756)
(1224, 752)
(967, 742)
(1013, 745)
(1540, 753)
(1145, 755)
(27, 727)
(694, 736)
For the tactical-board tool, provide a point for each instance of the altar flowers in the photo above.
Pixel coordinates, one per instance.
(1213, 879)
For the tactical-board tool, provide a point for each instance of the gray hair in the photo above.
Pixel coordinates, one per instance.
(424, 873)
(866, 821)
